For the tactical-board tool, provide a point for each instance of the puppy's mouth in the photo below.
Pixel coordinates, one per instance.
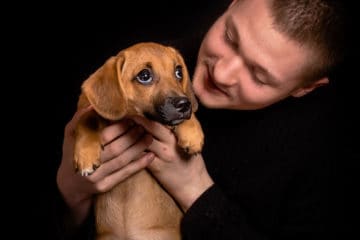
(172, 111)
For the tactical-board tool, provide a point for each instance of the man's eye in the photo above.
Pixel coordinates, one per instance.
(258, 81)
(255, 77)
(229, 39)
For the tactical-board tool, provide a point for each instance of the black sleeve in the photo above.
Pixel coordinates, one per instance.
(61, 226)
(299, 187)
(312, 209)
(213, 216)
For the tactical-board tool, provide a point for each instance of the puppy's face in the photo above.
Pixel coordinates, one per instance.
(146, 79)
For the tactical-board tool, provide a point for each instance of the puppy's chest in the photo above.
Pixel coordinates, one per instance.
(137, 203)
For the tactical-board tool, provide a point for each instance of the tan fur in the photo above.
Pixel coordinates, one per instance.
(138, 208)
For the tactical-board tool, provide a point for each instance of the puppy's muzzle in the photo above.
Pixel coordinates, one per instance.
(174, 110)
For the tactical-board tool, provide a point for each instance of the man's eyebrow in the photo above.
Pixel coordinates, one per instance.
(270, 78)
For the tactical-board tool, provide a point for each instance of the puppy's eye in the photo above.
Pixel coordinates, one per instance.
(145, 76)
(178, 72)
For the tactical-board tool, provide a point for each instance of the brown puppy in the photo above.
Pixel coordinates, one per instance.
(151, 80)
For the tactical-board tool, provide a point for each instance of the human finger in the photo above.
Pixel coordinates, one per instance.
(114, 131)
(159, 131)
(133, 167)
(166, 153)
(117, 163)
(118, 145)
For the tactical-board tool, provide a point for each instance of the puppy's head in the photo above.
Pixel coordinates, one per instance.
(146, 79)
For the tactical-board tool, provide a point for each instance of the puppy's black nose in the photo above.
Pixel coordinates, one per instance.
(173, 110)
(181, 104)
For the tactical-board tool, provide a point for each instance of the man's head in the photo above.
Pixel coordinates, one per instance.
(317, 25)
(262, 51)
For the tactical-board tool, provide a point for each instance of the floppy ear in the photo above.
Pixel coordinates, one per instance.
(104, 91)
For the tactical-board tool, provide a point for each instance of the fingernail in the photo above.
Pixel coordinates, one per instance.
(150, 156)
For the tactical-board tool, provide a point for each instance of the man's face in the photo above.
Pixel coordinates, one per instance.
(245, 63)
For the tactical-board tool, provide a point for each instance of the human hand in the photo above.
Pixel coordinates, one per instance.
(185, 178)
(123, 155)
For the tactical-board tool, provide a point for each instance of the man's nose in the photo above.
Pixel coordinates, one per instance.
(228, 69)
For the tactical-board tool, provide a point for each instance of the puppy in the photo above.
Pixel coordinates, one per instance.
(150, 80)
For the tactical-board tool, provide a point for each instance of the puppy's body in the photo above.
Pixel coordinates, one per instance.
(151, 80)
(138, 209)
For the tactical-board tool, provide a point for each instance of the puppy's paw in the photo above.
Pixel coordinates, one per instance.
(190, 136)
(87, 159)
(190, 147)
(86, 170)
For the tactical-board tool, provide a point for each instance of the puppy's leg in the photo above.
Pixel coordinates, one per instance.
(190, 135)
(87, 145)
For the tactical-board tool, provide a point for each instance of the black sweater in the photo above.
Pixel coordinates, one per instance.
(275, 170)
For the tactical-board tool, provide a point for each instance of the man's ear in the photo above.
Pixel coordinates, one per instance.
(301, 91)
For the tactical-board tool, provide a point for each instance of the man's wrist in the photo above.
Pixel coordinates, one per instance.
(193, 191)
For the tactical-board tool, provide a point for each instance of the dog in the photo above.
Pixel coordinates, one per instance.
(151, 80)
